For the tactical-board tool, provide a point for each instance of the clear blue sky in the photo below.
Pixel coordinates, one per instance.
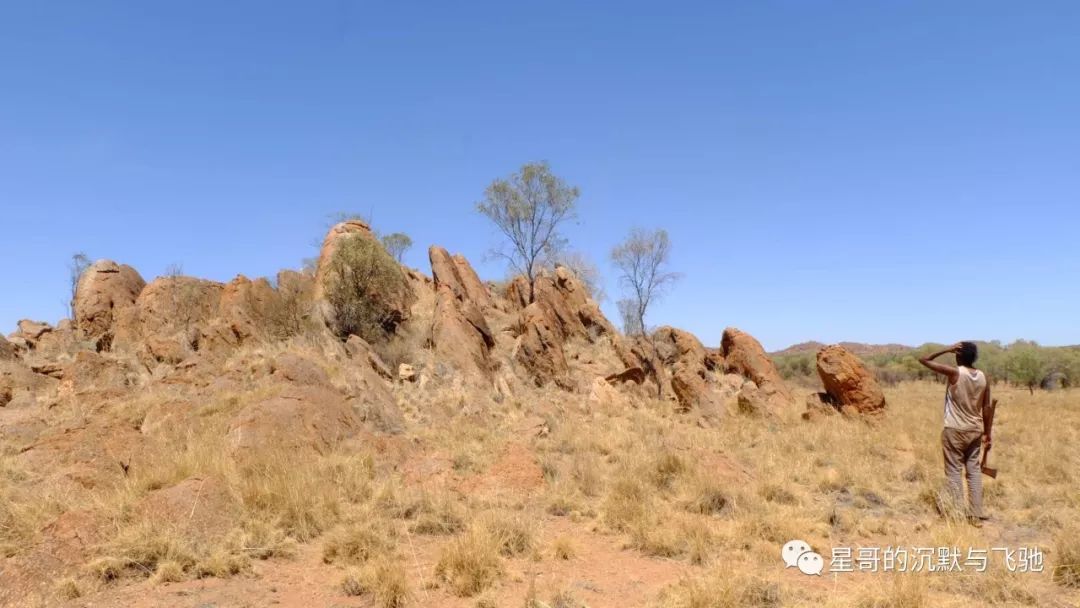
(870, 171)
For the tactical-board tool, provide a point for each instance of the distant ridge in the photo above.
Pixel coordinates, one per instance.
(856, 348)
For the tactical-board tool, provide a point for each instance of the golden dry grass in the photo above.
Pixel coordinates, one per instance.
(720, 501)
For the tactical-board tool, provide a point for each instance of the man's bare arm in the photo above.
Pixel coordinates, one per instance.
(940, 368)
(988, 408)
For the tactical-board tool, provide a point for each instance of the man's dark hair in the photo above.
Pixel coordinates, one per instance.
(967, 354)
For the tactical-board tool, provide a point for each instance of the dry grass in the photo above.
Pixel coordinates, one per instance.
(470, 563)
(645, 477)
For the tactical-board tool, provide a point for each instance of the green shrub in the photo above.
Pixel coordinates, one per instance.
(364, 287)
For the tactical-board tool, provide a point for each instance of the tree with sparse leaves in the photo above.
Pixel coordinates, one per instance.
(642, 260)
(78, 265)
(397, 244)
(529, 207)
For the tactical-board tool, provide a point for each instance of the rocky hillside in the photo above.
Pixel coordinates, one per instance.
(165, 402)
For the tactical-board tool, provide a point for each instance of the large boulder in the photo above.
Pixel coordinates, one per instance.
(103, 290)
(20, 384)
(398, 301)
(244, 308)
(201, 509)
(299, 418)
(691, 370)
(848, 382)
(170, 319)
(743, 355)
(29, 332)
(460, 336)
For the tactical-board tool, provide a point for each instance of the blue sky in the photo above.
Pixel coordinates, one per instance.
(868, 171)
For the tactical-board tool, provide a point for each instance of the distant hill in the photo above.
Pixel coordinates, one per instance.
(857, 348)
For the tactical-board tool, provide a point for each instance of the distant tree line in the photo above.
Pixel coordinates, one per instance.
(1022, 363)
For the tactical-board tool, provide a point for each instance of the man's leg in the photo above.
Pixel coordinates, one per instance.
(952, 449)
(973, 464)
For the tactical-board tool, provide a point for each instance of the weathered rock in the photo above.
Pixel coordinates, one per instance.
(460, 335)
(358, 348)
(170, 319)
(630, 374)
(291, 367)
(298, 419)
(19, 384)
(91, 372)
(743, 355)
(539, 347)
(407, 373)
(849, 383)
(690, 368)
(200, 508)
(104, 289)
(8, 351)
(752, 400)
(566, 301)
(456, 273)
(562, 311)
(31, 331)
(243, 309)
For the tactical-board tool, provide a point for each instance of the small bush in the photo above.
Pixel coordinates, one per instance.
(362, 283)
(470, 563)
(353, 585)
(1067, 559)
(705, 496)
(627, 503)
(563, 548)
(357, 543)
(722, 591)
(514, 534)
(68, 589)
(438, 516)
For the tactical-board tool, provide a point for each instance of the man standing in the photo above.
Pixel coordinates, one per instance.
(969, 418)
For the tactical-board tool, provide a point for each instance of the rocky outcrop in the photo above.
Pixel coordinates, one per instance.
(103, 291)
(539, 347)
(690, 368)
(460, 335)
(848, 382)
(561, 312)
(244, 309)
(8, 351)
(170, 319)
(455, 272)
(743, 355)
(567, 303)
(29, 333)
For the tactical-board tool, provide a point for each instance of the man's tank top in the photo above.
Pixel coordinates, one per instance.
(963, 400)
